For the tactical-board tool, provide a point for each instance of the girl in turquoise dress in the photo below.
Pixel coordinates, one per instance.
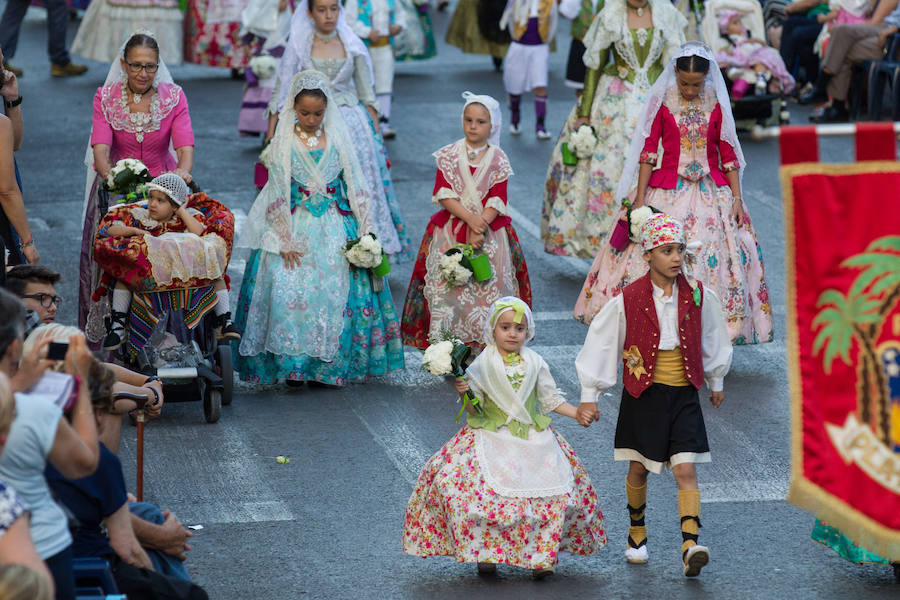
(306, 313)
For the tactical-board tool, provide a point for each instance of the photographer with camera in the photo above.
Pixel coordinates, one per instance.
(40, 435)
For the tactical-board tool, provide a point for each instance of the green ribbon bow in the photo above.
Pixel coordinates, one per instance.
(518, 308)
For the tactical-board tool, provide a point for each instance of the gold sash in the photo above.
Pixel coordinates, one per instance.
(670, 368)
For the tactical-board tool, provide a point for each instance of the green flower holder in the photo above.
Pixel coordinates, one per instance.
(481, 267)
(383, 268)
(568, 157)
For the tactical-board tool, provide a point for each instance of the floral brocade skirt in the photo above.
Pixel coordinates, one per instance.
(453, 512)
(213, 44)
(579, 201)
(729, 262)
(417, 315)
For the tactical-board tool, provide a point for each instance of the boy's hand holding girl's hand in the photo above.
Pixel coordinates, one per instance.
(716, 398)
(587, 413)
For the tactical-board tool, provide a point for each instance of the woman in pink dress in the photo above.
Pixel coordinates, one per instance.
(139, 113)
(697, 180)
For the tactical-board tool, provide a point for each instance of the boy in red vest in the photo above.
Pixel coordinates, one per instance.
(671, 335)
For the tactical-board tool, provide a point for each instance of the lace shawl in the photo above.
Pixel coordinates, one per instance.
(610, 27)
(470, 188)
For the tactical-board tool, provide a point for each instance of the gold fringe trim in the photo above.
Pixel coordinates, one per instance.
(859, 528)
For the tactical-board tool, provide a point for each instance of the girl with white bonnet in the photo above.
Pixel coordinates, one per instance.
(507, 488)
(470, 189)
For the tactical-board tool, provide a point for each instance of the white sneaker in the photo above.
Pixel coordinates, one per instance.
(542, 134)
(637, 556)
(514, 129)
(695, 559)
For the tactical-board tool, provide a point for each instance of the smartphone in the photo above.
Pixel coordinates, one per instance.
(57, 350)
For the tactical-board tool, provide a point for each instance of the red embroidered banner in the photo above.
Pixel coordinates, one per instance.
(843, 288)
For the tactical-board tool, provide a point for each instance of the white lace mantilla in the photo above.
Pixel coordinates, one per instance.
(610, 26)
(114, 104)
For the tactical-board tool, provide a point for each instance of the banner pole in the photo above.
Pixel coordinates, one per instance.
(759, 133)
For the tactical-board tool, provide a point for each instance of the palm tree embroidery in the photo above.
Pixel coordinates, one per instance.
(860, 316)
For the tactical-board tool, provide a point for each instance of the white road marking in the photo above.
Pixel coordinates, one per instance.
(236, 493)
(555, 315)
(767, 490)
(396, 436)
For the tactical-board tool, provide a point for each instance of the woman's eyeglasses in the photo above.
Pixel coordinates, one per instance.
(45, 299)
(136, 68)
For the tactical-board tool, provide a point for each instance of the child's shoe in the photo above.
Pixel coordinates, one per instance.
(695, 558)
(115, 324)
(541, 133)
(487, 568)
(762, 84)
(514, 128)
(226, 330)
(386, 131)
(542, 573)
(637, 556)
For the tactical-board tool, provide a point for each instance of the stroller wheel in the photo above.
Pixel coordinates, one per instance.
(225, 370)
(212, 402)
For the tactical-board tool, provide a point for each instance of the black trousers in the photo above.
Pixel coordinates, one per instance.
(144, 584)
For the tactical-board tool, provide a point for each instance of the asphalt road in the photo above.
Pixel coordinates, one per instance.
(328, 524)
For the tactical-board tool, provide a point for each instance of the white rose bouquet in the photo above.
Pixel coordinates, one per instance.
(446, 357)
(452, 269)
(263, 66)
(127, 178)
(364, 252)
(583, 141)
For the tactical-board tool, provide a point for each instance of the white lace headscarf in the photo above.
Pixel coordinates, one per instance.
(655, 99)
(493, 108)
(113, 76)
(299, 46)
(269, 221)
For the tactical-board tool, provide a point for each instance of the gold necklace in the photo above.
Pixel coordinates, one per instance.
(311, 141)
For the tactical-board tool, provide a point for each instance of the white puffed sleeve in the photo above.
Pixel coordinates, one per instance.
(715, 340)
(548, 395)
(351, 13)
(497, 204)
(597, 363)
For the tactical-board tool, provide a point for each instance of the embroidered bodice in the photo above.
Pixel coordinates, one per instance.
(318, 204)
(350, 81)
(692, 119)
(114, 102)
(638, 56)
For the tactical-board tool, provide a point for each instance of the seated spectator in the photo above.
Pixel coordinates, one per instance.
(159, 532)
(850, 45)
(16, 545)
(40, 435)
(18, 582)
(100, 500)
(798, 36)
(35, 285)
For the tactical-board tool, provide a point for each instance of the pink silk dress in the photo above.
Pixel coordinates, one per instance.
(144, 136)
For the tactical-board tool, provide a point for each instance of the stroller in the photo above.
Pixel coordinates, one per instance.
(751, 110)
(170, 327)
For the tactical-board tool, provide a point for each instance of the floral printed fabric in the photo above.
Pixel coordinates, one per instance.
(729, 261)
(213, 44)
(10, 507)
(452, 512)
(579, 203)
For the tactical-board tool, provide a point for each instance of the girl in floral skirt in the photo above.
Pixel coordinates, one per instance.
(698, 182)
(506, 489)
(470, 188)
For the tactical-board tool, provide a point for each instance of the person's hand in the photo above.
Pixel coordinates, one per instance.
(821, 17)
(579, 122)
(476, 223)
(374, 36)
(737, 210)
(587, 413)
(173, 537)
(637, 203)
(374, 115)
(31, 254)
(291, 259)
(133, 231)
(31, 367)
(78, 357)
(394, 29)
(461, 385)
(884, 35)
(476, 240)
(153, 408)
(10, 89)
(717, 398)
(184, 174)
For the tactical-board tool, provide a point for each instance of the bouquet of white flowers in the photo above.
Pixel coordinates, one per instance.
(452, 270)
(127, 178)
(583, 142)
(446, 357)
(263, 66)
(366, 252)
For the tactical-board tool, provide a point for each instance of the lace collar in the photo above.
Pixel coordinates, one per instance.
(115, 109)
(676, 103)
